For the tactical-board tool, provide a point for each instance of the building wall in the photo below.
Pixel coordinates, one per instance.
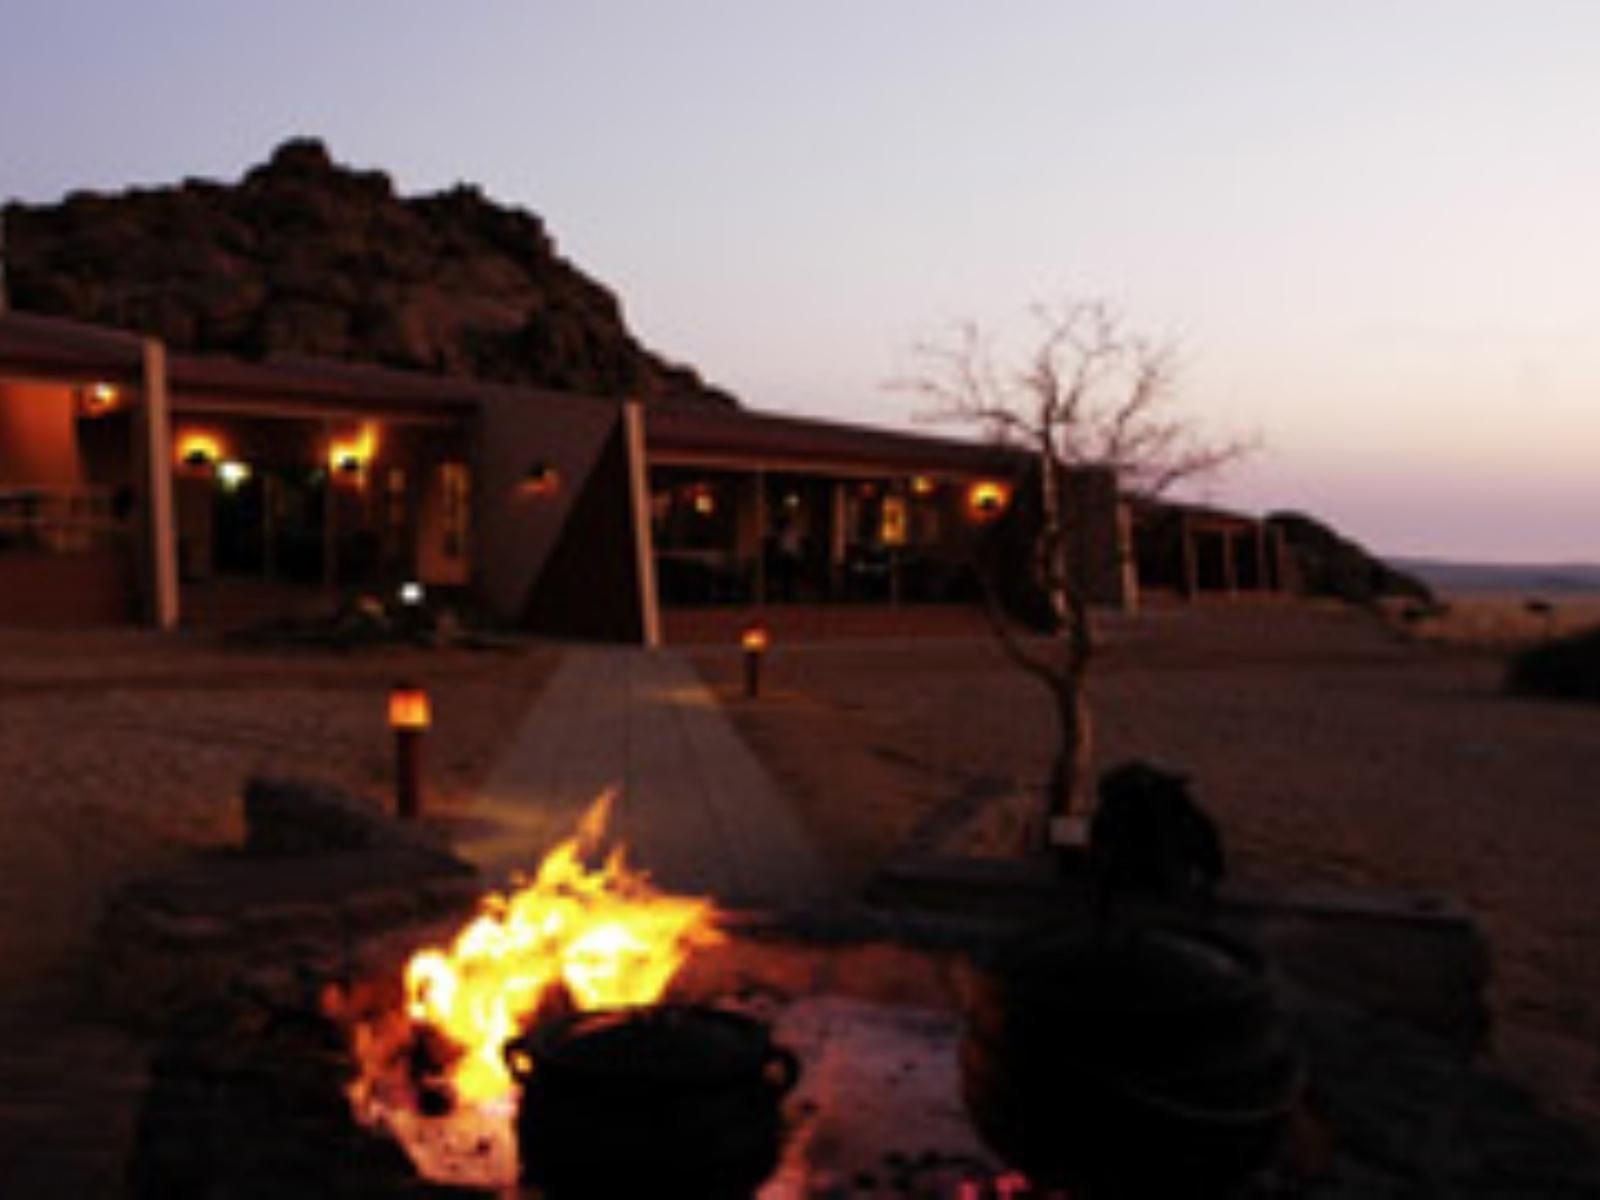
(1100, 529)
(517, 528)
(38, 435)
(64, 575)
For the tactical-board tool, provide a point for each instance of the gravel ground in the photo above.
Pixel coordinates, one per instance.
(1329, 748)
(118, 750)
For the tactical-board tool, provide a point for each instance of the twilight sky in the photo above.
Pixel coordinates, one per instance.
(1371, 224)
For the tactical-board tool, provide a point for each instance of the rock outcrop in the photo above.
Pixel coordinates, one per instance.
(306, 257)
(1328, 564)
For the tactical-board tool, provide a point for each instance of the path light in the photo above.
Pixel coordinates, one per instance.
(410, 714)
(754, 640)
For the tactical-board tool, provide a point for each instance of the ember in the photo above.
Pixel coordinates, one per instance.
(433, 1071)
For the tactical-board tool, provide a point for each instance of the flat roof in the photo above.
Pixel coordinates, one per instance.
(676, 430)
(54, 348)
(697, 433)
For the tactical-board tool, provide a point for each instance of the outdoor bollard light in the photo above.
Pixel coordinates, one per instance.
(754, 640)
(409, 717)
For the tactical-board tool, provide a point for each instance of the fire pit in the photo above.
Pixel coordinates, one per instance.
(672, 1100)
(546, 1014)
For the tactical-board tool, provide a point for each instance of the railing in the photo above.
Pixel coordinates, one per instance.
(59, 520)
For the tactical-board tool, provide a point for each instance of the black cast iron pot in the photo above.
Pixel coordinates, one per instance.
(672, 1100)
(1146, 1063)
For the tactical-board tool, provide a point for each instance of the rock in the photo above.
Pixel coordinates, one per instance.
(289, 816)
(1565, 668)
(306, 257)
(1328, 564)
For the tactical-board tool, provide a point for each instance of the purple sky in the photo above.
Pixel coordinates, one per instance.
(1369, 224)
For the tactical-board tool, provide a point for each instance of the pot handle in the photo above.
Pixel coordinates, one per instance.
(782, 1069)
(519, 1059)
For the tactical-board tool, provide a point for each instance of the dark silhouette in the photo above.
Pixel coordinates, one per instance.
(1149, 837)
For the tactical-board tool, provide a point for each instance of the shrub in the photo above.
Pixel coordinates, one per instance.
(1565, 667)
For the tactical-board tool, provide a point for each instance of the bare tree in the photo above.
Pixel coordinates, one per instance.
(1089, 394)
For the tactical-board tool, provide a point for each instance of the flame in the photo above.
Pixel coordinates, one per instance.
(571, 937)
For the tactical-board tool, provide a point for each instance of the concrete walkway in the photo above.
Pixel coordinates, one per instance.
(695, 807)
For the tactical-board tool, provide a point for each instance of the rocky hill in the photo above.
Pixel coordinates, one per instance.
(306, 257)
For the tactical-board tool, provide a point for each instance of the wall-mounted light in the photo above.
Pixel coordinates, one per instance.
(349, 457)
(98, 399)
(923, 485)
(703, 500)
(197, 451)
(987, 499)
(540, 479)
(412, 594)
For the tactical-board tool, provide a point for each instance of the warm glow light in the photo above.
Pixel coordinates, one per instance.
(892, 528)
(755, 638)
(704, 501)
(987, 499)
(409, 708)
(98, 399)
(197, 450)
(576, 936)
(350, 456)
(923, 485)
(542, 479)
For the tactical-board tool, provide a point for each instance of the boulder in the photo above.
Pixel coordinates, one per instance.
(1328, 564)
(293, 816)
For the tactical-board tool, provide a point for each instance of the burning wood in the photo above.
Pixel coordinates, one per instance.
(432, 1069)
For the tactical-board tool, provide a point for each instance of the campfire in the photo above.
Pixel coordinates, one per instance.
(585, 933)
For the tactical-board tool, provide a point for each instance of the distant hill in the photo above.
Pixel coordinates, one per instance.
(1539, 579)
(303, 256)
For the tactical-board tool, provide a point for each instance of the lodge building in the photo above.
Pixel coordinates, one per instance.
(180, 489)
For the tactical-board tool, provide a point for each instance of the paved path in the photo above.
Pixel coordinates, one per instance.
(695, 807)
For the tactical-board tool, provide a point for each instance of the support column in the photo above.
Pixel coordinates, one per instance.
(761, 537)
(1191, 568)
(838, 538)
(1127, 559)
(330, 513)
(1263, 575)
(643, 536)
(1230, 568)
(1284, 576)
(154, 450)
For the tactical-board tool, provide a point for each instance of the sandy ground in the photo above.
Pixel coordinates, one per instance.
(118, 750)
(1329, 747)
(1498, 620)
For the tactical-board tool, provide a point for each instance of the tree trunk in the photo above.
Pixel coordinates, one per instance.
(1070, 785)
